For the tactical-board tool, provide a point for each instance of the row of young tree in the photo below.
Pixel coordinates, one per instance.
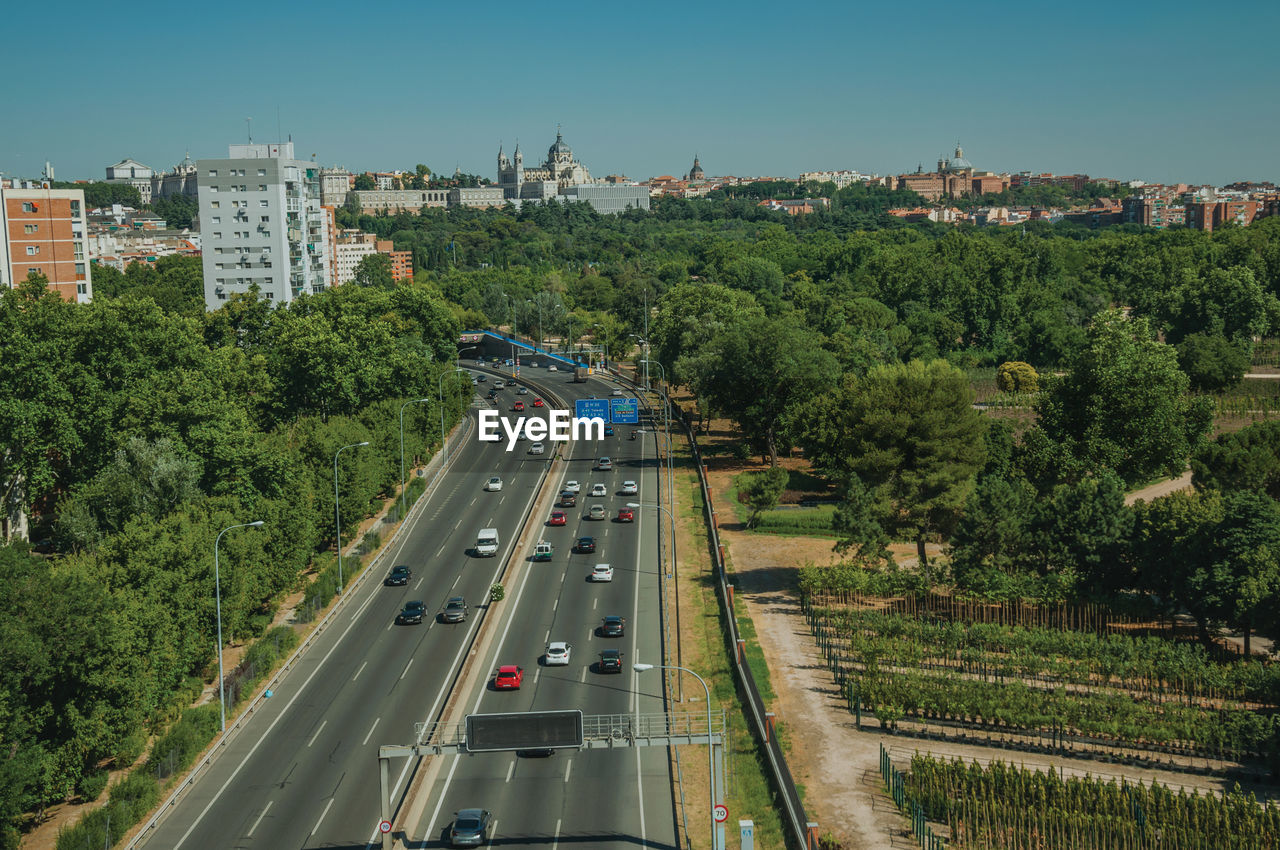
(132, 437)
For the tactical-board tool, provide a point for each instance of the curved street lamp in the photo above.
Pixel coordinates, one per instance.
(402, 407)
(337, 514)
(217, 591)
(711, 770)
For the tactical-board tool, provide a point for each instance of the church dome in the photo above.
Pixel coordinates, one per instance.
(958, 162)
(559, 147)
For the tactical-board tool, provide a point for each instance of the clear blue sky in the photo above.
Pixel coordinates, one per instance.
(1157, 91)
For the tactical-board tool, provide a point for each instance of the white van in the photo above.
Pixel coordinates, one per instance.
(487, 542)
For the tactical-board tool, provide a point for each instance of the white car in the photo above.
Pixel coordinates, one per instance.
(599, 490)
(537, 449)
(602, 572)
(552, 368)
(629, 488)
(493, 484)
(604, 464)
(571, 487)
(522, 391)
(617, 391)
(557, 654)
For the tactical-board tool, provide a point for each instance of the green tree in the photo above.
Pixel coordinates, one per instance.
(1211, 361)
(688, 316)
(177, 210)
(374, 270)
(1014, 376)
(763, 490)
(758, 371)
(1124, 403)
(1248, 459)
(352, 204)
(910, 434)
(364, 183)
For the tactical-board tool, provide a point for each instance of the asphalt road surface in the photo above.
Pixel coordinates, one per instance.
(303, 773)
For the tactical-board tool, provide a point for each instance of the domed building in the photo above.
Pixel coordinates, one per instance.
(696, 173)
(559, 172)
(954, 178)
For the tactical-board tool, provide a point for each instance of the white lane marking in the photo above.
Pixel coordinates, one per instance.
(361, 670)
(370, 735)
(318, 731)
(455, 581)
(556, 842)
(389, 625)
(431, 825)
(583, 677)
(547, 639)
(493, 833)
(363, 606)
(593, 603)
(473, 501)
(555, 603)
(511, 768)
(568, 766)
(249, 834)
(406, 669)
(640, 797)
(457, 524)
(440, 551)
(419, 584)
(315, 828)
(536, 673)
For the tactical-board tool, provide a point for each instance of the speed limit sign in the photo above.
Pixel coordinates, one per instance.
(384, 827)
(722, 813)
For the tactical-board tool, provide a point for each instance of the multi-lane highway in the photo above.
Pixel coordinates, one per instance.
(303, 772)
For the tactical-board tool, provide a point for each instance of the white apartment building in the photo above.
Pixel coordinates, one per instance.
(842, 179)
(346, 256)
(261, 223)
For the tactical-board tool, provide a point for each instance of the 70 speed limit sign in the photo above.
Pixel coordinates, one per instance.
(722, 813)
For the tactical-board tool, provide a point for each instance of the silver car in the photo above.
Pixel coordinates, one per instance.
(470, 827)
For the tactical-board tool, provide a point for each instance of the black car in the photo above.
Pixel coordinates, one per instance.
(399, 575)
(455, 610)
(470, 828)
(412, 612)
(613, 626)
(611, 661)
(585, 544)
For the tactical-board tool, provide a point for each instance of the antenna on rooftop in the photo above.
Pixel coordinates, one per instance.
(248, 123)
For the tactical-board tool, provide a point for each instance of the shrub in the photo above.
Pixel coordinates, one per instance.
(1014, 376)
(497, 593)
(92, 785)
(178, 747)
(130, 747)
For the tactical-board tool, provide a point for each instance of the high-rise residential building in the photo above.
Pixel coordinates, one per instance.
(43, 231)
(262, 224)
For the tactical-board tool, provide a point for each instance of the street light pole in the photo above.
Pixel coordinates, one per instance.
(674, 572)
(337, 513)
(711, 765)
(440, 391)
(217, 591)
(666, 404)
(402, 407)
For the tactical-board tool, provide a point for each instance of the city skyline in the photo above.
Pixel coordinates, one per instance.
(1132, 95)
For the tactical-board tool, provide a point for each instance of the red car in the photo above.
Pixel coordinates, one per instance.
(537, 402)
(508, 677)
(557, 518)
(626, 515)
(518, 406)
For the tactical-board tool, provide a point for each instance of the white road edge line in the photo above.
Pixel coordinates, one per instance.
(556, 841)
(323, 723)
(316, 828)
(370, 735)
(249, 834)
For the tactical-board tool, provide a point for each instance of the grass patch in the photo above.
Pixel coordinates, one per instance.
(749, 793)
(814, 522)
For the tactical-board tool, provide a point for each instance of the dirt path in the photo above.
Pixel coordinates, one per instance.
(1160, 488)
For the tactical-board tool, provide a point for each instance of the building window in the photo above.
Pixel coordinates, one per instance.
(262, 204)
(262, 187)
(266, 233)
(215, 204)
(32, 250)
(75, 208)
(266, 249)
(213, 172)
(82, 289)
(217, 219)
(27, 206)
(30, 228)
(213, 188)
(217, 234)
(266, 218)
(33, 270)
(262, 172)
(222, 296)
(243, 188)
(79, 268)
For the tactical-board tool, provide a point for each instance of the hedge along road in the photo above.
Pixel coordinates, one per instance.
(597, 798)
(303, 772)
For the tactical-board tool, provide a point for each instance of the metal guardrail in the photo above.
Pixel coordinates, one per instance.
(144, 833)
(599, 727)
(802, 830)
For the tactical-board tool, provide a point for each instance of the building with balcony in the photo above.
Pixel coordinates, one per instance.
(262, 225)
(44, 231)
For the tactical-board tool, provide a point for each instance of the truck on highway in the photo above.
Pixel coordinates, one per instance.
(579, 374)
